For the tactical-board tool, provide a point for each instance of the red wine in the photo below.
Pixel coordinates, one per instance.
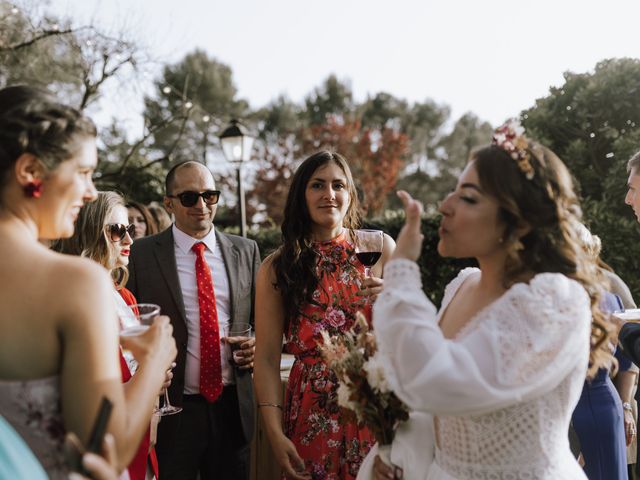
(368, 259)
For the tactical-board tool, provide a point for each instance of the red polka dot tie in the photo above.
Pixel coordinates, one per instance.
(210, 368)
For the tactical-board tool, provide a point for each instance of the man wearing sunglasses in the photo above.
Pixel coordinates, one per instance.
(202, 279)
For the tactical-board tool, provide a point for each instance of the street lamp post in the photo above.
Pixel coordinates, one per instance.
(236, 146)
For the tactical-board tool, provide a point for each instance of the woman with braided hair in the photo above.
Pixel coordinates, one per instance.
(59, 328)
(496, 373)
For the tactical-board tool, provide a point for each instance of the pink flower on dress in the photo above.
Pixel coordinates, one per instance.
(335, 317)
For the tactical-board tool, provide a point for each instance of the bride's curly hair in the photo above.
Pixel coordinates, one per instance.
(294, 263)
(546, 207)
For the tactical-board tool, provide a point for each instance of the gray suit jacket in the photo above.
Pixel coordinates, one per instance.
(154, 279)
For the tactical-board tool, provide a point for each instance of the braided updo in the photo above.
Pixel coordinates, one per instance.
(33, 121)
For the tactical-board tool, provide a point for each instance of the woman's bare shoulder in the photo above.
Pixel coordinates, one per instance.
(77, 271)
(267, 267)
(76, 285)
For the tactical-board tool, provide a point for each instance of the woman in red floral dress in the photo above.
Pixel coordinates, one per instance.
(313, 283)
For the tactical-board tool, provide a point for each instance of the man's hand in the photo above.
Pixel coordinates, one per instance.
(243, 356)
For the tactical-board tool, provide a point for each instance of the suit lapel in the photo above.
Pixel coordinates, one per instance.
(230, 257)
(165, 255)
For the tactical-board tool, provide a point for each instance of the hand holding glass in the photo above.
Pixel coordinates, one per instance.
(146, 313)
(236, 334)
(369, 245)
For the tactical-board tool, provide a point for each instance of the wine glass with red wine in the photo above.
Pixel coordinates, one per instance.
(369, 248)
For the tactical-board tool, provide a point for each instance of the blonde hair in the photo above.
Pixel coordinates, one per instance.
(591, 243)
(90, 238)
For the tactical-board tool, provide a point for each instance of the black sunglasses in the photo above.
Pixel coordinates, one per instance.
(117, 231)
(189, 198)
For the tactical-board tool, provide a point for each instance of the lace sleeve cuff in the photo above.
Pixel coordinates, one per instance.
(401, 273)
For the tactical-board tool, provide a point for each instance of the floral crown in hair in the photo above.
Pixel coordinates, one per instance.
(510, 137)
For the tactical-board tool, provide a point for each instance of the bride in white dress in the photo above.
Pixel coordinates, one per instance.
(494, 376)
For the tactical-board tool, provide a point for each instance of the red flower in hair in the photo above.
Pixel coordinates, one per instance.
(510, 137)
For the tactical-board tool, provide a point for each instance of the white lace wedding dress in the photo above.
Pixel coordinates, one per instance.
(496, 401)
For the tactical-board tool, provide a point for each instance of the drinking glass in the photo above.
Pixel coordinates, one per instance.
(369, 248)
(235, 334)
(167, 408)
(145, 313)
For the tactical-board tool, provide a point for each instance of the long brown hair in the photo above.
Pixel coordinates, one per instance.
(548, 207)
(295, 261)
(149, 219)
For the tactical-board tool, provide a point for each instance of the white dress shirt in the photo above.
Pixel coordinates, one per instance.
(186, 264)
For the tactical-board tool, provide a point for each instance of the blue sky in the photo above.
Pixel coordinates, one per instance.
(492, 57)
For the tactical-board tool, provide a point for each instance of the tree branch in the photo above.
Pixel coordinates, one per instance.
(37, 38)
(105, 73)
(175, 144)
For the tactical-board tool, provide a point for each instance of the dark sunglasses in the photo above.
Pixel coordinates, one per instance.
(117, 231)
(189, 198)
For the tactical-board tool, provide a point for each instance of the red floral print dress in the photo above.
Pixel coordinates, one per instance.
(332, 447)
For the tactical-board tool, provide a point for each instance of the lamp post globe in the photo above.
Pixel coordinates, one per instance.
(236, 145)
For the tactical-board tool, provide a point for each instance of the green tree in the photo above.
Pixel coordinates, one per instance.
(425, 127)
(422, 122)
(124, 166)
(281, 117)
(76, 63)
(194, 99)
(27, 46)
(332, 98)
(592, 122)
(384, 110)
(72, 61)
(455, 149)
(451, 155)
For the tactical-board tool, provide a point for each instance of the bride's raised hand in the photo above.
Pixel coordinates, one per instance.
(409, 241)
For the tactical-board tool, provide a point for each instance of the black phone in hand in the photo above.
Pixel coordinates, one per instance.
(96, 438)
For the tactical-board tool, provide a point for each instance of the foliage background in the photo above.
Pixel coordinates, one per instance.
(592, 121)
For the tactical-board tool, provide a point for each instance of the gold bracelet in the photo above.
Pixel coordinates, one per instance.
(267, 404)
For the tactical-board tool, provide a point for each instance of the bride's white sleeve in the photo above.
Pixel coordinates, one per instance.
(522, 346)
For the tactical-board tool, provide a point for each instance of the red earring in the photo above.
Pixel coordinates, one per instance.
(33, 189)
